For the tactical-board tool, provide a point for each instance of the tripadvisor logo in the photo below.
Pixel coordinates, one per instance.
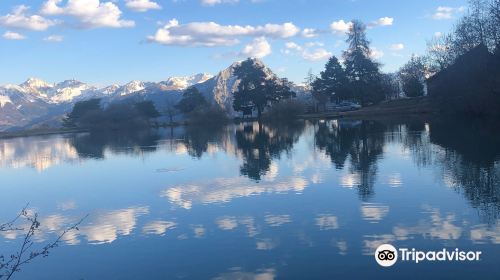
(387, 255)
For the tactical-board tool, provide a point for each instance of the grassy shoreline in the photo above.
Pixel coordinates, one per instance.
(421, 106)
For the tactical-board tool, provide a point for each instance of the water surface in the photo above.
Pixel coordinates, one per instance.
(311, 200)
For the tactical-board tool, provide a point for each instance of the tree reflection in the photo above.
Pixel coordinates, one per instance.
(361, 141)
(470, 160)
(259, 144)
(94, 144)
(199, 138)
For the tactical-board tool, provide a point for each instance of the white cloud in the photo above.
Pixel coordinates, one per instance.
(13, 36)
(54, 38)
(376, 54)
(438, 34)
(316, 55)
(216, 2)
(258, 48)
(443, 12)
(293, 46)
(211, 34)
(384, 21)
(142, 5)
(314, 44)
(397, 47)
(19, 18)
(340, 27)
(90, 13)
(306, 52)
(309, 33)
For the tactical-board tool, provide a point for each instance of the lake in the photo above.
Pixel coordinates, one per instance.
(309, 200)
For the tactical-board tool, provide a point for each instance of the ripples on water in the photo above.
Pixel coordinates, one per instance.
(306, 200)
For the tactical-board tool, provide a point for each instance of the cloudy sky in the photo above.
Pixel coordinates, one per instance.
(115, 41)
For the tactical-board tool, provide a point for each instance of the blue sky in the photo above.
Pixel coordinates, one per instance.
(103, 41)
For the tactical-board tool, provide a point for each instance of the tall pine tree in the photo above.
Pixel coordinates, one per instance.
(332, 83)
(362, 72)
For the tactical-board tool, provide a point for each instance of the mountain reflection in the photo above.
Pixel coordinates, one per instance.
(464, 154)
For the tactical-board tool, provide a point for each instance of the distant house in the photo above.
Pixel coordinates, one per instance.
(474, 73)
(470, 86)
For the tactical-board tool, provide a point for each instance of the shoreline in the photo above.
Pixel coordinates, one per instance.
(401, 108)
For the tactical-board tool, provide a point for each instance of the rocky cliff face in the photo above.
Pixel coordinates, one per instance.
(220, 89)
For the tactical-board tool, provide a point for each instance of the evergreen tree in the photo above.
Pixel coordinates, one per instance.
(256, 90)
(80, 110)
(332, 83)
(147, 109)
(362, 72)
(192, 99)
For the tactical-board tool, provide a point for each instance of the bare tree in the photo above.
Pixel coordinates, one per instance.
(11, 264)
(439, 52)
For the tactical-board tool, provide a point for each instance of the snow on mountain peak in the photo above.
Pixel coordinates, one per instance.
(35, 83)
(181, 83)
(4, 100)
(131, 87)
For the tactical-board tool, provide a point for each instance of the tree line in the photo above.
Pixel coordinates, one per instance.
(358, 78)
(91, 114)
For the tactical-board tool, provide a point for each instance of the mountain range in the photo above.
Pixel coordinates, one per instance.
(36, 103)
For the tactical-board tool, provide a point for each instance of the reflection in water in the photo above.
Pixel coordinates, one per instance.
(467, 153)
(158, 227)
(362, 142)
(272, 192)
(277, 220)
(226, 189)
(107, 226)
(94, 145)
(236, 273)
(36, 152)
(327, 222)
(260, 144)
(470, 161)
(374, 212)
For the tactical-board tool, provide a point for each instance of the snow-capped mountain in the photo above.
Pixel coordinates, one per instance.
(182, 83)
(35, 101)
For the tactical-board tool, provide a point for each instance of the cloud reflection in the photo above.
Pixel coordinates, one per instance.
(108, 226)
(327, 222)
(238, 274)
(226, 189)
(374, 212)
(158, 227)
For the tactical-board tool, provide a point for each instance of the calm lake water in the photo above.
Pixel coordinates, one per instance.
(311, 200)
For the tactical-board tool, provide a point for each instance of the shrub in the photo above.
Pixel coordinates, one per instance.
(287, 110)
(208, 115)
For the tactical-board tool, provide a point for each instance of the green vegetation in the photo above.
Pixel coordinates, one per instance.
(197, 110)
(412, 75)
(192, 100)
(358, 79)
(91, 114)
(257, 90)
(285, 111)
